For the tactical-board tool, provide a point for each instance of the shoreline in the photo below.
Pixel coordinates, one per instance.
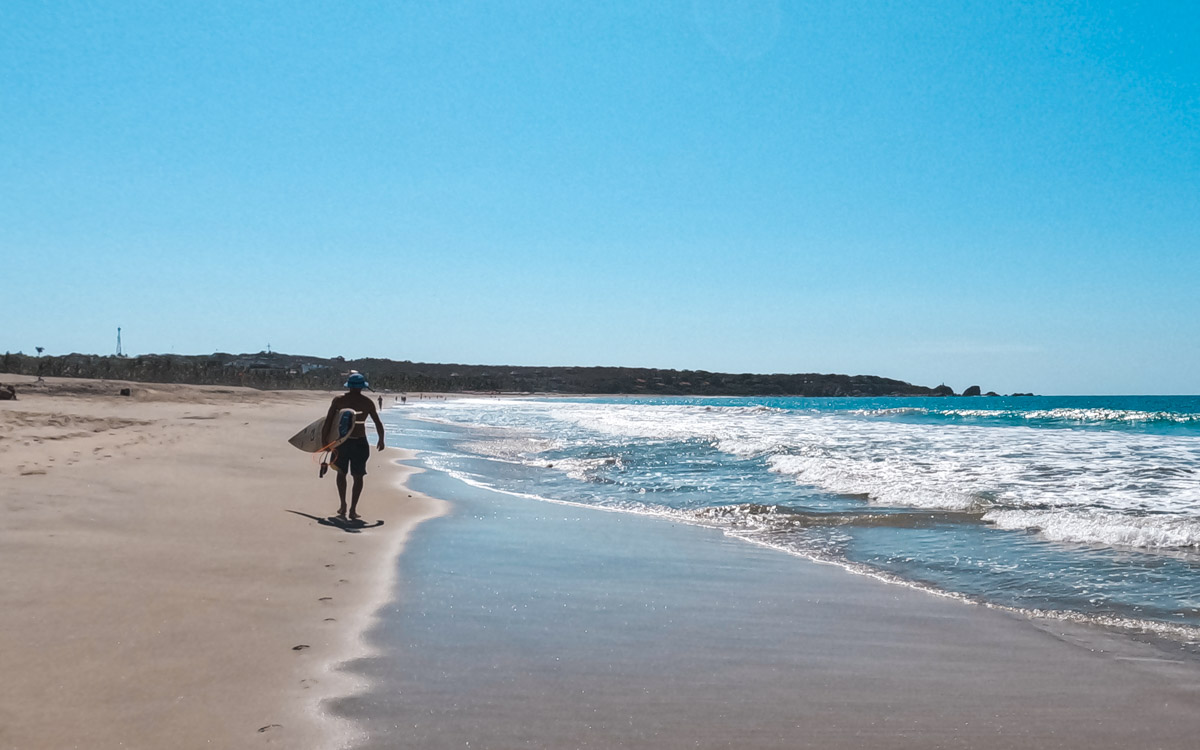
(546, 625)
(366, 613)
(167, 574)
(991, 513)
(1175, 643)
(1171, 643)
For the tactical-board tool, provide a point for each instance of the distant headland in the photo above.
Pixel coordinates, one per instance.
(275, 370)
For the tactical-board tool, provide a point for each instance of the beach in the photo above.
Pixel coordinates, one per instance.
(171, 581)
(167, 581)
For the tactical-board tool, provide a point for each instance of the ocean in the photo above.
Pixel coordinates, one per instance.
(1079, 508)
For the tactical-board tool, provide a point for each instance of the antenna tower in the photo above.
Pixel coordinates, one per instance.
(119, 352)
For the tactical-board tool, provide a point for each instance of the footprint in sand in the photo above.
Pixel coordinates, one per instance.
(325, 599)
(270, 727)
(330, 565)
(343, 580)
(330, 619)
(301, 647)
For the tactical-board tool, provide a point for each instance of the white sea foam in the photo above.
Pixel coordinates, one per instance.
(956, 466)
(508, 447)
(890, 481)
(1111, 415)
(1129, 474)
(1094, 415)
(1098, 527)
(584, 469)
(899, 411)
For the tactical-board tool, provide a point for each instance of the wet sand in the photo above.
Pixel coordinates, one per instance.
(533, 625)
(169, 578)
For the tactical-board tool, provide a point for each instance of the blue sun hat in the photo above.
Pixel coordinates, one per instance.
(356, 380)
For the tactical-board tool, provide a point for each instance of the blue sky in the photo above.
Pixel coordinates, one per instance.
(981, 193)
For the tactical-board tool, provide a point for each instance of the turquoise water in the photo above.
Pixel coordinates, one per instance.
(1085, 508)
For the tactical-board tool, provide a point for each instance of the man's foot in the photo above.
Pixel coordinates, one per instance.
(342, 514)
(354, 516)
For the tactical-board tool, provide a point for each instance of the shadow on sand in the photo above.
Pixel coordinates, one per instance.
(350, 527)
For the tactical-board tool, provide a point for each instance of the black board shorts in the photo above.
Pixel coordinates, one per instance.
(352, 455)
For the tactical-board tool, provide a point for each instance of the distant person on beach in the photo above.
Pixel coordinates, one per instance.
(352, 455)
(381, 402)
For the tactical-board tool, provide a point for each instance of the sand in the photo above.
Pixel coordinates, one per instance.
(168, 581)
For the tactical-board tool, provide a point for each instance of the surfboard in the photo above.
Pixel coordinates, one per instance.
(310, 439)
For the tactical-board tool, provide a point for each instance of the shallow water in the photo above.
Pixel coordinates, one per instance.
(1080, 507)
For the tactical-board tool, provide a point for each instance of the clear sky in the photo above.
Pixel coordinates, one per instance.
(993, 193)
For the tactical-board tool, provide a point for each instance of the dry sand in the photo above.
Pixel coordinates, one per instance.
(167, 579)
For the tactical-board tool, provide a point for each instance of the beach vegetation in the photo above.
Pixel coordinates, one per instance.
(274, 370)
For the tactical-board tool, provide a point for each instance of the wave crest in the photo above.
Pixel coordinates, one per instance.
(1071, 415)
(1098, 527)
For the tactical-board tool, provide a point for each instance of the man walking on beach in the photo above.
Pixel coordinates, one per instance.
(352, 455)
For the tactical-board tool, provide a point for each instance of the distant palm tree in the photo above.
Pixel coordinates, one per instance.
(40, 349)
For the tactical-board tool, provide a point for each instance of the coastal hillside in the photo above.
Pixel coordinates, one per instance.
(281, 371)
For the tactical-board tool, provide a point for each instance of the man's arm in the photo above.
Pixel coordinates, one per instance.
(378, 424)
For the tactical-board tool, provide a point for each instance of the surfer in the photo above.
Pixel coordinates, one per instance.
(351, 456)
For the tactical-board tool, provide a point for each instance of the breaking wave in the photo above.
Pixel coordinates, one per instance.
(1098, 527)
(1060, 415)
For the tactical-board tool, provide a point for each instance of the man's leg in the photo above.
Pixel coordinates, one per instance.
(341, 488)
(355, 492)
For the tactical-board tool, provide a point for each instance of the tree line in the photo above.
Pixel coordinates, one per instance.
(273, 370)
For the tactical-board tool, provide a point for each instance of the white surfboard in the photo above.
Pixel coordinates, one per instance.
(310, 439)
